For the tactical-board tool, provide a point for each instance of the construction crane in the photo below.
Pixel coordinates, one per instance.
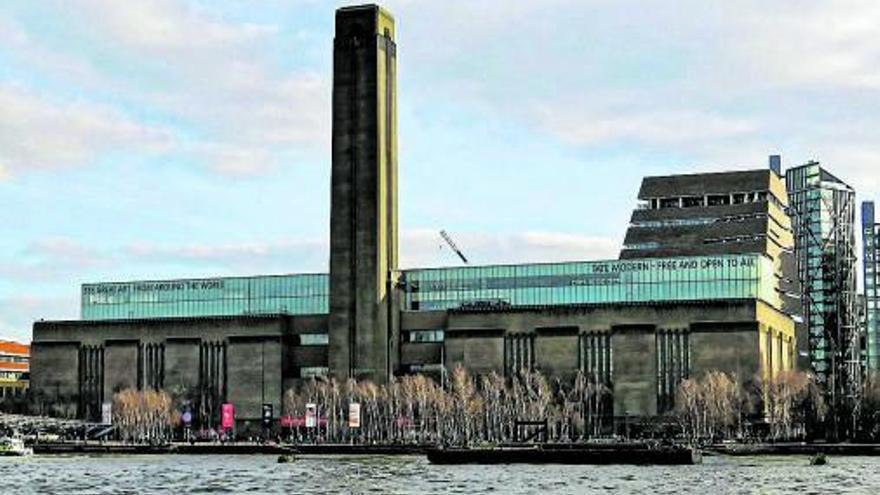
(452, 245)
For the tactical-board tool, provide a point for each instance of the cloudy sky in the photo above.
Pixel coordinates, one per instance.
(176, 138)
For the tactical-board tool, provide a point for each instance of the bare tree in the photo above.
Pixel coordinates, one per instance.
(788, 398)
(143, 416)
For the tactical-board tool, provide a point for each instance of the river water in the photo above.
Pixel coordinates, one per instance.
(182, 474)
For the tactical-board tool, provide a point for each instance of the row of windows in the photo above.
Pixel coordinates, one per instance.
(681, 291)
(708, 200)
(642, 246)
(14, 358)
(586, 273)
(313, 371)
(721, 282)
(735, 239)
(293, 294)
(687, 222)
(219, 307)
(9, 392)
(872, 315)
(433, 335)
(686, 278)
(208, 289)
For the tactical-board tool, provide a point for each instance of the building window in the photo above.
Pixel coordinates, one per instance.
(673, 365)
(692, 201)
(719, 199)
(669, 203)
(426, 368)
(313, 371)
(308, 339)
(595, 357)
(519, 353)
(643, 246)
(437, 335)
(742, 238)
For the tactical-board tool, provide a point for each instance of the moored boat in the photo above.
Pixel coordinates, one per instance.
(12, 446)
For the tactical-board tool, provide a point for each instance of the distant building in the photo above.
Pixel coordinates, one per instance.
(871, 272)
(638, 325)
(14, 368)
(822, 209)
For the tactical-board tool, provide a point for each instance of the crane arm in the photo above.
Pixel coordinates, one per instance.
(453, 246)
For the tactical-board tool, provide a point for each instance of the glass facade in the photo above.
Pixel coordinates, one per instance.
(290, 294)
(822, 209)
(871, 258)
(748, 276)
(593, 282)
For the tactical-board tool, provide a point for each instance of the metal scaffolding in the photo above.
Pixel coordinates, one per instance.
(822, 209)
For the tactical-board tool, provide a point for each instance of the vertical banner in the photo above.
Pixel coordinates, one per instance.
(107, 413)
(268, 414)
(311, 415)
(354, 415)
(227, 416)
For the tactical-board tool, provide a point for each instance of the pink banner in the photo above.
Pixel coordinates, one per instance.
(227, 416)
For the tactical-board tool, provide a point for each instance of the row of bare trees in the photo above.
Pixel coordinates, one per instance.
(471, 410)
(144, 416)
(717, 405)
(485, 409)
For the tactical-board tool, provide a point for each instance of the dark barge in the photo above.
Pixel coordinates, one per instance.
(641, 454)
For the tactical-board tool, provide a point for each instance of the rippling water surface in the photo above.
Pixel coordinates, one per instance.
(413, 475)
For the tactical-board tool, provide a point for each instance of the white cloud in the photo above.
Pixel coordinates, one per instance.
(859, 165)
(51, 259)
(425, 248)
(245, 258)
(576, 126)
(234, 108)
(829, 43)
(716, 84)
(29, 50)
(59, 258)
(164, 27)
(236, 160)
(37, 133)
(19, 312)
(217, 76)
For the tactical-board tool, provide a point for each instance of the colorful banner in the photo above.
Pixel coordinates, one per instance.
(268, 415)
(354, 415)
(227, 416)
(107, 413)
(311, 415)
